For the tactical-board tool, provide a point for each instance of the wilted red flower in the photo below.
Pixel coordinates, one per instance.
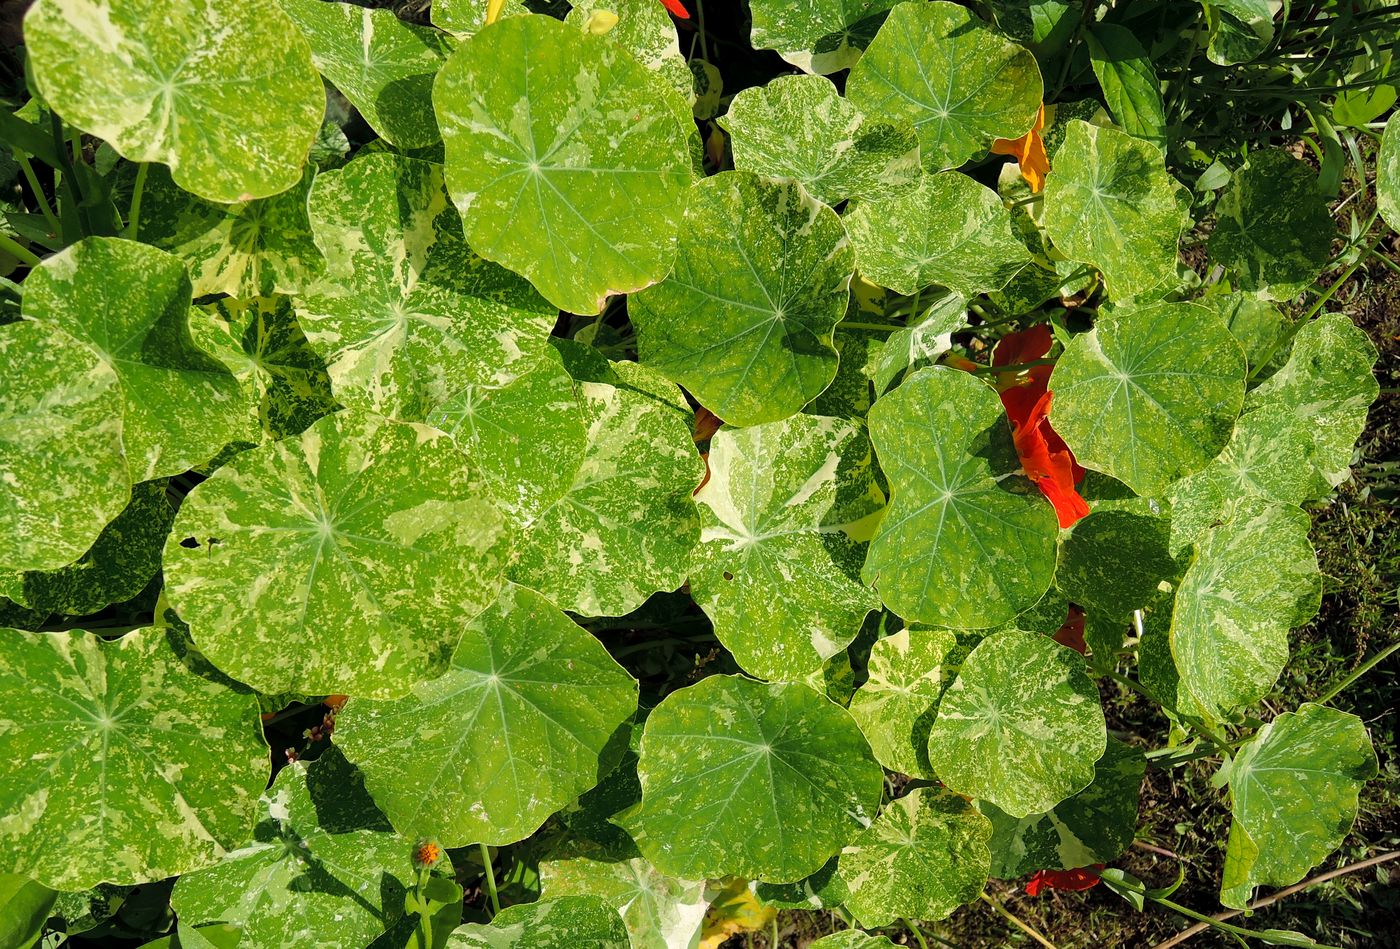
(1045, 457)
(1081, 879)
(1071, 633)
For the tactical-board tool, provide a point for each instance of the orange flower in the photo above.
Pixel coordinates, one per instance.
(1026, 395)
(1080, 879)
(1029, 152)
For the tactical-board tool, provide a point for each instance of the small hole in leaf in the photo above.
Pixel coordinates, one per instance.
(728, 575)
(189, 543)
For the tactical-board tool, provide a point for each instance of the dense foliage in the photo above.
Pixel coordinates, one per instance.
(689, 484)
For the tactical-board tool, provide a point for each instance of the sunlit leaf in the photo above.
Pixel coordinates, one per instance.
(895, 705)
(660, 912)
(818, 36)
(567, 922)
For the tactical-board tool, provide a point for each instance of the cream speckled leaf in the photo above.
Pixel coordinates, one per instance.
(1021, 726)
(526, 433)
(1255, 322)
(322, 868)
(1150, 394)
(408, 315)
(895, 706)
(1388, 173)
(1094, 826)
(1113, 561)
(777, 569)
(660, 912)
(1251, 580)
(568, 922)
(124, 766)
(510, 734)
(342, 560)
(61, 456)
(625, 527)
(123, 559)
(1110, 203)
(925, 855)
(742, 778)
(384, 66)
(963, 544)
(958, 82)
(261, 341)
(1240, 30)
(920, 344)
(950, 230)
(817, 36)
(131, 303)
(823, 889)
(1269, 456)
(745, 320)
(1293, 791)
(248, 248)
(565, 157)
(1327, 382)
(800, 128)
(646, 30)
(464, 17)
(1273, 228)
(851, 939)
(223, 91)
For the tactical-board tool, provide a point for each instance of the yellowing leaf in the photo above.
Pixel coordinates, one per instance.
(734, 909)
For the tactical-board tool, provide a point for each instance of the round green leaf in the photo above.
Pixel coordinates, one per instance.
(963, 544)
(957, 81)
(1388, 173)
(579, 188)
(222, 91)
(61, 458)
(341, 560)
(1328, 384)
(245, 249)
(627, 523)
(1293, 794)
(817, 36)
(660, 912)
(1114, 560)
(511, 733)
(568, 922)
(777, 569)
(131, 303)
(645, 29)
(949, 230)
(1021, 726)
(1110, 203)
(895, 707)
(1252, 579)
(745, 320)
(1272, 226)
(408, 315)
(925, 855)
(800, 128)
(262, 342)
(322, 869)
(1150, 394)
(384, 66)
(123, 559)
(131, 768)
(1094, 826)
(752, 780)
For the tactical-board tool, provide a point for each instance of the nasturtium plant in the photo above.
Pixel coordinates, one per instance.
(626, 473)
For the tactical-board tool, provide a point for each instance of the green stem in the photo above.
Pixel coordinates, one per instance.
(872, 327)
(1025, 201)
(1194, 722)
(19, 251)
(918, 934)
(1015, 920)
(425, 925)
(1385, 260)
(1028, 364)
(133, 217)
(39, 197)
(773, 932)
(700, 24)
(1276, 938)
(1366, 667)
(490, 879)
(70, 174)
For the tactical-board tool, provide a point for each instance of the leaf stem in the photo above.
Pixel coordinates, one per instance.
(39, 197)
(22, 253)
(773, 932)
(918, 933)
(1370, 664)
(133, 217)
(871, 327)
(490, 879)
(425, 926)
(1014, 367)
(1022, 202)
(1019, 923)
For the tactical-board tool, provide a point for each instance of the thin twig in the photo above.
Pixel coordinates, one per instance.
(1153, 848)
(1020, 923)
(1186, 934)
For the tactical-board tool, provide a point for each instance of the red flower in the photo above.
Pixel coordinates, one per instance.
(677, 9)
(1045, 458)
(1080, 879)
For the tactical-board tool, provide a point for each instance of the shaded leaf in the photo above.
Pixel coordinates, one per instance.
(567, 922)
(818, 36)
